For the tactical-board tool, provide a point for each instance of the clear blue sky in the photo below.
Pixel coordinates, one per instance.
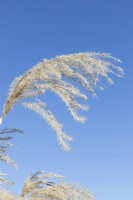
(102, 152)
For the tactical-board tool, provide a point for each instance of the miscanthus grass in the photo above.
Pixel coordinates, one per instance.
(38, 186)
(64, 75)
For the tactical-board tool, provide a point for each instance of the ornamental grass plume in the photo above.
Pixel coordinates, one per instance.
(62, 75)
(39, 187)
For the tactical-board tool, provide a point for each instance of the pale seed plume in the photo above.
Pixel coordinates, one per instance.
(62, 75)
(40, 186)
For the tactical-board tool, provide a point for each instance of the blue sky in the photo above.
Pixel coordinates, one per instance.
(101, 157)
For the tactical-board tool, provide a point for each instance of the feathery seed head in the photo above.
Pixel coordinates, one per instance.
(62, 75)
